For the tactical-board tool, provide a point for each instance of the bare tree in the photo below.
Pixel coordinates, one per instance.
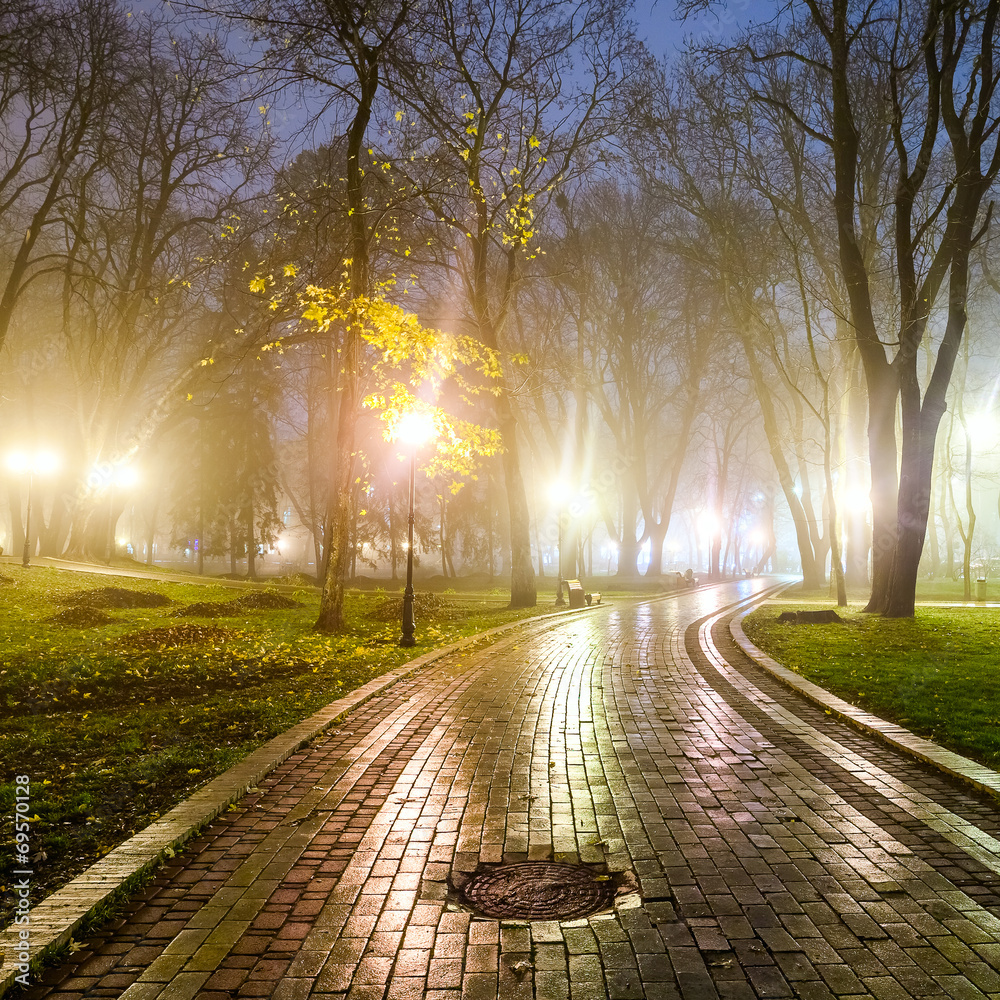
(934, 67)
(61, 76)
(498, 105)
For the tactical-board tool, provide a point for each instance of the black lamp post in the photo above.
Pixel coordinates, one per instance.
(26, 554)
(414, 428)
(409, 626)
(560, 600)
(558, 496)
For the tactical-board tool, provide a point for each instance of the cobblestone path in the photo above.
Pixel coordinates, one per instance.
(776, 852)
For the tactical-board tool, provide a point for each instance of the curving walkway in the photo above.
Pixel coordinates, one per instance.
(775, 852)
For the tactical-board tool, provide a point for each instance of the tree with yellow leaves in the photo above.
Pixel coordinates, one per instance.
(498, 105)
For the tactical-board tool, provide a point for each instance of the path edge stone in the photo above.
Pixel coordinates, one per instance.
(979, 776)
(110, 879)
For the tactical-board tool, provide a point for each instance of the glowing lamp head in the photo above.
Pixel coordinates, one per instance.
(126, 475)
(709, 524)
(982, 429)
(46, 462)
(856, 499)
(41, 463)
(414, 428)
(558, 493)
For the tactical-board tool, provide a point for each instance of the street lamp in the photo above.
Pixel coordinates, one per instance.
(558, 494)
(414, 428)
(40, 463)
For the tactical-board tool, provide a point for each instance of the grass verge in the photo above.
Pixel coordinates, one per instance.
(936, 674)
(117, 712)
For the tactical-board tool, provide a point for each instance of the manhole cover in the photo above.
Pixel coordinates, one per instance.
(539, 890)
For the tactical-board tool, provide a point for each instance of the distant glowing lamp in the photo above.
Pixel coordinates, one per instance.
(856, 499)
(126, 476)
(558, 493)
(709, 524)
(40, 463)
(982, 429)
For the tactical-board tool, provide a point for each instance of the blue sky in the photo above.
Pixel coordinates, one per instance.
(664, 32)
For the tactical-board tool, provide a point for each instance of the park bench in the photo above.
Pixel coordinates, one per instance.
(577, 598)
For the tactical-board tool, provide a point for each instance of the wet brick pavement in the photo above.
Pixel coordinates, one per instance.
(777, 852)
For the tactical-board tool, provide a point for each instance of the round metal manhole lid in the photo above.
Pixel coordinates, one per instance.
(539, 890)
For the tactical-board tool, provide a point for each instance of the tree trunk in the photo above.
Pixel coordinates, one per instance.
(16, 516)
(858, 542)
(776, 441)
(714, 552)
(317, 556)
(442, 541)
(522, 576)
(338, 557)
(628, 552)
(657, 538)
(491, 544)
(971, 530)
(251, 543)
(882, 454)
(914, 504)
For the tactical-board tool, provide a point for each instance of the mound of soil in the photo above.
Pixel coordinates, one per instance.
(810, 617)
(173, 635)
(264, 600)
(81, 617)
(390, 609)
(206, 609)
(115, 597)
(255, 600)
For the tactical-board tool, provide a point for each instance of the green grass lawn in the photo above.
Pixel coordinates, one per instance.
(114, 723)
(938, 674)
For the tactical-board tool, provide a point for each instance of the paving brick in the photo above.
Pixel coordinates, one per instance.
(780, 852)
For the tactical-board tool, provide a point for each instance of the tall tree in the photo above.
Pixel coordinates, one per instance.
(338, 48)
(498, 104)
(644, 348)
(934, 67)
(62, 69)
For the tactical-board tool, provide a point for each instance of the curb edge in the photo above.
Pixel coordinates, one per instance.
(982, 778)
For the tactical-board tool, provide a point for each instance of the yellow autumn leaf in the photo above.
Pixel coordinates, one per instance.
(258, 286)
(315, 313)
